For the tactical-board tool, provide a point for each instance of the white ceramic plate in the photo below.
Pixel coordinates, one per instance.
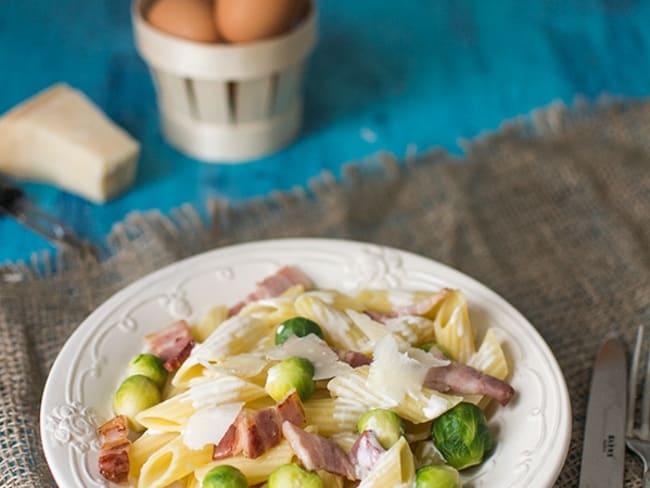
(533, 431)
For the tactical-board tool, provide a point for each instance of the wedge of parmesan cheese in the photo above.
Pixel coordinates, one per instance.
(61, 137)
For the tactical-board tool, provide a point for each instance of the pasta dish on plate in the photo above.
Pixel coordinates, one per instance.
(298, 386)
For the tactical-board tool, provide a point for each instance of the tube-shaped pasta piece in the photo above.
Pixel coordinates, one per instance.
(144, 447)
(453, 329)
(394, 468)
(338, 328)
(212, 319)
(489, 359)
(191, 481)
(272, 311)
(168, 416)
(171, 463)
(334, 415)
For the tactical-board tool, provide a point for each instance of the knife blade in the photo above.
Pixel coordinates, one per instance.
(603, 452)
(14, 203)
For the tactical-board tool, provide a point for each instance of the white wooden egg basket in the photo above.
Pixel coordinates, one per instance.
(227, 102)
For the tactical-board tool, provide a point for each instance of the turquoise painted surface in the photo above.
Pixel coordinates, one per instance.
(417, 73)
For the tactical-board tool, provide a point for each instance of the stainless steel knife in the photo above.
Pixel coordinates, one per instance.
(603, 452)
(14, 203)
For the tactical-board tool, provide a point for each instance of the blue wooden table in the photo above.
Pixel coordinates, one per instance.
(398, 76)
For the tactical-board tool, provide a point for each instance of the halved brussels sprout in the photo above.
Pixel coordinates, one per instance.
(293, 476)
(224, 477)
(298, 326)
(462, 435)
(150, 366)
(291, 373)
(437, 476)
(386, 424)
(135, 394)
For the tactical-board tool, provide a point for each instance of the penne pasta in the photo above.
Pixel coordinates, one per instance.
(272, 312)
(489, 359)
(144, 447)
(338, 328)
(395, 468)
(191, 481)
(171, 463)
(334, 415)
(453, 330)
(209, 322)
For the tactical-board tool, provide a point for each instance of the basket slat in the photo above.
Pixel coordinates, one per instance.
(252, 100)
(288, 84)
(173, 93)
(212, 103)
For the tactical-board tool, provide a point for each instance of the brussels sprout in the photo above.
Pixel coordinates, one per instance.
(224, 477)
(438, 476)
(462, 435)
(150, 366)
(293, 476)
(135, 394)
(291, 373)
(386, 424)
(298, 326)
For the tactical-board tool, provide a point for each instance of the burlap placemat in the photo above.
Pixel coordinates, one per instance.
(553, 212)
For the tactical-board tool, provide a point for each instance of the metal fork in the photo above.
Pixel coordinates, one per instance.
(638, 439)
(14, 203)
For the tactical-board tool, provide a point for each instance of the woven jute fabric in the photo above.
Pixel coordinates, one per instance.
(552, 212)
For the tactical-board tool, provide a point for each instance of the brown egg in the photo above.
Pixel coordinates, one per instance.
(252, 20)
(189, 19)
